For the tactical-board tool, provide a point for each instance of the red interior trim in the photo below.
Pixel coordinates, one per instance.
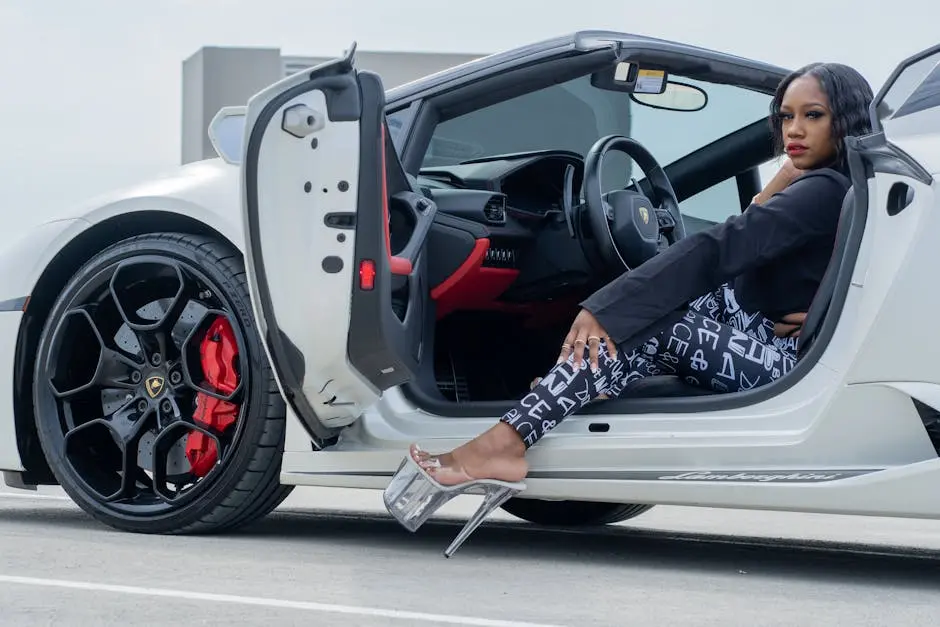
(473, 260)
(475, 288)
(472, 286)
(398, 265)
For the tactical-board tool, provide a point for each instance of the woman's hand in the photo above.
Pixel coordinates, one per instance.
(586, 331)
(790, 325)
(786, 175)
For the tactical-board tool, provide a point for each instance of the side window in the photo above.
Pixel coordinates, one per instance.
(720, 202)
(710, 206)
(395, 121)
(910, 105)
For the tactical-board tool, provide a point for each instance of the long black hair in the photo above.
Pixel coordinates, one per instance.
(849, 96)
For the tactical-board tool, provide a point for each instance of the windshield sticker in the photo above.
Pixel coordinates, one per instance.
(649, 82)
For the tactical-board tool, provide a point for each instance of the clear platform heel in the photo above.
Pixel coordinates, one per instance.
(412, 497)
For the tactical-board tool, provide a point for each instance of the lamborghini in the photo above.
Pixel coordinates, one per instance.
(363, 268)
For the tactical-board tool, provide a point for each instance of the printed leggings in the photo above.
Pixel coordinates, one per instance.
(716, 344)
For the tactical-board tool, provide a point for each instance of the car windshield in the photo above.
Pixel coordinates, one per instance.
(573, 115)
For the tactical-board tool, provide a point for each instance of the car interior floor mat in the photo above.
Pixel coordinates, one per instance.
(482, 356)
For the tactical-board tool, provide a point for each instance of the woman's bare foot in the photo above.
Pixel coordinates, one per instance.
(498, 453)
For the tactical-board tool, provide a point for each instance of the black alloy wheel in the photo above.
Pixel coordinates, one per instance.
(156, 407)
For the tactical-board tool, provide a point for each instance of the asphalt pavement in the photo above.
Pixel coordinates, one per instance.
(333, 557)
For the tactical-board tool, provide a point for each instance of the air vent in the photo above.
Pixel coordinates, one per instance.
(495, 210)
(499, 257)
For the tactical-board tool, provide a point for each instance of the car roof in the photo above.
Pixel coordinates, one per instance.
(585, 41)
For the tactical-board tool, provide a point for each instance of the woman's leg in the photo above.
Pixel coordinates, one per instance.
(697, 348)
(719, 356)
(724, 301)
(713, 304)
(499, 452)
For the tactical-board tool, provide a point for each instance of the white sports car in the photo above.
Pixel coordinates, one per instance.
(362, 269)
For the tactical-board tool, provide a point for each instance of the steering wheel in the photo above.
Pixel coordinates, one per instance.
(627, 225)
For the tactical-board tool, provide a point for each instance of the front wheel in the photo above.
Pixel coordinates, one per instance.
(155, 404)
(572, 513)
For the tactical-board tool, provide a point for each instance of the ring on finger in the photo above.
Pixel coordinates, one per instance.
(593, 338)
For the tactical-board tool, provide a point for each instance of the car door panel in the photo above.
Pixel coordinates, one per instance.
(896, 301)
(339, 313)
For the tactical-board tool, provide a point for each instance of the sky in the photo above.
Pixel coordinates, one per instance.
(90, 90)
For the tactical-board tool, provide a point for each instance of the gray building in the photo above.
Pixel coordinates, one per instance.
(215, 77)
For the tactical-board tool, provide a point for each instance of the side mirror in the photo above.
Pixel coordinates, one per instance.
(227, 133)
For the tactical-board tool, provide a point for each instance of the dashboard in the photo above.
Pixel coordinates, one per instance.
(500, 238)
(529, 185)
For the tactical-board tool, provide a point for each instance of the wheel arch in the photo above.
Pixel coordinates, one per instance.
(53, 278)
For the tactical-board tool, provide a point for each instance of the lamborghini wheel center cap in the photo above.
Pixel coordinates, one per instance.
(154, 385)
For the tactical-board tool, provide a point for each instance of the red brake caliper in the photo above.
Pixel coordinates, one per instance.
(217, 353)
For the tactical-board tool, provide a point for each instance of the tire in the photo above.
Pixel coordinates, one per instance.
(572, 513)
(111, 383)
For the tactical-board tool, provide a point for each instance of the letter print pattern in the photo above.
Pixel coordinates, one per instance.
(715, 344)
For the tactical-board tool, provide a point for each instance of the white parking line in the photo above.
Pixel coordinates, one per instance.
(266, 602)
(41, 497)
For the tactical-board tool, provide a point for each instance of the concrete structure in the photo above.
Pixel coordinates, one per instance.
(215, 77)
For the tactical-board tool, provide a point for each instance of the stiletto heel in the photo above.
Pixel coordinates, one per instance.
(491, 500)
(413, 496)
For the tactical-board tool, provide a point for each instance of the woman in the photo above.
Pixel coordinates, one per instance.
(738, 280)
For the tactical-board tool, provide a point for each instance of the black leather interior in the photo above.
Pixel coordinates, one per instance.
(820, 305)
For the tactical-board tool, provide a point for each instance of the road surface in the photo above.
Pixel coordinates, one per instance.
(333, 557)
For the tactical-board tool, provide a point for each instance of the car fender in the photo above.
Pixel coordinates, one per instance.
(29, 256)
(205, 191)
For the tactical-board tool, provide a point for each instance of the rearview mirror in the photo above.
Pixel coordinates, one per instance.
(676, 97)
